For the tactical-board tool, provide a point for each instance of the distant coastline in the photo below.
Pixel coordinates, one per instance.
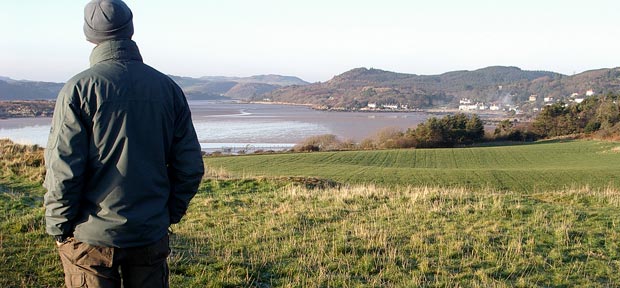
(334, 109)
(26, 109)
(432, 111)
(277, 103)
(45, 109)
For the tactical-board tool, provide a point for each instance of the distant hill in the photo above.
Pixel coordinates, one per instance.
(361, 86)
(11, 90)
(204, 88)
(498, 84)
(221, 87)
(271, 79)
(246, 91)
(198, 89)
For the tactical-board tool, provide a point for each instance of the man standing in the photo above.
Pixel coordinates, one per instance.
(123, 161)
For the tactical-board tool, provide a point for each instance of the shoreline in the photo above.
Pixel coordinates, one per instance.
(318, 108)
(4, 117)
(431, 111)
(16, 109)
(274, 103)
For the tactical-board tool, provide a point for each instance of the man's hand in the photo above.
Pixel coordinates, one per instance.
(60, 240)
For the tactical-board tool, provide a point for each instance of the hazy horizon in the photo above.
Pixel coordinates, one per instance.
(248, 76)
(316, 40)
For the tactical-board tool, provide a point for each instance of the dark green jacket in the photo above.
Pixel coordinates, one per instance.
(123, 160)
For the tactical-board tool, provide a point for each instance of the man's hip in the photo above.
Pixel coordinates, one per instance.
(93, 266)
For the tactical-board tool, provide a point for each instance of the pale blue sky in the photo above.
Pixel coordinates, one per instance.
(315, 40)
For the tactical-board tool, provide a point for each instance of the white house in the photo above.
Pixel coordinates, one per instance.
(494, 107)
(372, 105)
(391, 106)
(590, 93)
(465, 101)
(533, 98)
(549, 99)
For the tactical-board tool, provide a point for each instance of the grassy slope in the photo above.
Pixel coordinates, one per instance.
(270, 233)
(27, 254)
(535, 167)
(403, 237)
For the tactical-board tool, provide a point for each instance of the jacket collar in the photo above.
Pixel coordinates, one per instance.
(115, 50)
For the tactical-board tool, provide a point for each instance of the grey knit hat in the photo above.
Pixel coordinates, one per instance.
(107, 20)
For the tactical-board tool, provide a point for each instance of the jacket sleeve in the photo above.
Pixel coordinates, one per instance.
(185, 168)
(65, 162)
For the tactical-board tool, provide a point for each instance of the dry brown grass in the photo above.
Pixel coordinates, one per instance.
(23, 160)
(610, 134)
(373, 236)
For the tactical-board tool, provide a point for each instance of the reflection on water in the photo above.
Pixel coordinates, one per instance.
(256, 131)
(249, 123)
(27, 135)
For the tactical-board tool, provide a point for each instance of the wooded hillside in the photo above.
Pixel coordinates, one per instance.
(502, 85)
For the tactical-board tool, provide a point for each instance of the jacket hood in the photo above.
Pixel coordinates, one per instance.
(115, 50)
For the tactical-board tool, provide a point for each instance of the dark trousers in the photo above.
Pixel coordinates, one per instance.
(91, 266)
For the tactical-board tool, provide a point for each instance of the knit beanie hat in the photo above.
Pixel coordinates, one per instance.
(107, 20)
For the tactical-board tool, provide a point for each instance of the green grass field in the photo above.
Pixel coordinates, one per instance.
(525, 168)
(369, 232)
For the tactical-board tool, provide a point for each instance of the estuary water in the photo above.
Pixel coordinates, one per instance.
(226, 125)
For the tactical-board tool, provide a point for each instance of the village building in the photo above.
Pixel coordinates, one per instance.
(473, 107)
(465, 101)
(390, 106)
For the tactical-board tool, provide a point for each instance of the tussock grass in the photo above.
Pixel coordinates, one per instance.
(21, 161)
(285, 231)
(27, 254)
(372, 236)
(269, 233)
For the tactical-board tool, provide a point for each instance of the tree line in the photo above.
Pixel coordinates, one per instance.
(449, 131)
(598, 116)
(594, 114)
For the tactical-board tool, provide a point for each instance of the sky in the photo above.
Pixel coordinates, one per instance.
(318, 39)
